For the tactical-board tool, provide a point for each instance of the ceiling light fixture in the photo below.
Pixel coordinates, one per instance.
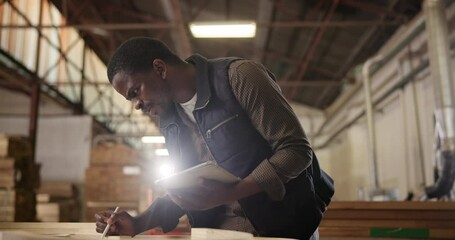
(161, 152)
(153, 139)
(223, 29)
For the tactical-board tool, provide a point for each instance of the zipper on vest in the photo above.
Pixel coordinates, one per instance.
(208, 134)
(213, 159)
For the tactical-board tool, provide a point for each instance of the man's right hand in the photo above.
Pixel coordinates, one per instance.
(121, 223)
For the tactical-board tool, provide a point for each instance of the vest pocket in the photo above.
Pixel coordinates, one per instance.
(208, 133)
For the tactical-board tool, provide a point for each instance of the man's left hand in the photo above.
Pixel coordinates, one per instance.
(208, 194)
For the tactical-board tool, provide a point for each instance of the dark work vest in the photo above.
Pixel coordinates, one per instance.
(238, 147)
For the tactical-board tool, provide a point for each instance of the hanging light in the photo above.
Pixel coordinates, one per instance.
(223, 29)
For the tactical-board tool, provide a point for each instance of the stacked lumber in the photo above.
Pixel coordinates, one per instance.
(17, 205)
(7, 201)
(110, 183)
(60, 211)
(113, 179)
(7, 183)
(7, 173)
(20, 149)
(114, 154)
(58, 202)
(19, 178)
(3, 146)
(429, 220)
(25, 205)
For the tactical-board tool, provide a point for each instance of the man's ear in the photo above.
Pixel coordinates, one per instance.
(160, 67)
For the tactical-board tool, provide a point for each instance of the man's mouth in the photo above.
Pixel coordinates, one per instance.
(146, 109)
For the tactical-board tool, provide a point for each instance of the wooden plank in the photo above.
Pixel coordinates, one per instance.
(31, 225)
(442, 233)
(3, 145)
(353, 232)
(82, 231)
(389, 223)
(6, 213)
(356, 205)
(50, 228)
(109, 154)
(22, 235)
(6, 163)
(109, 183)
(7, 178)
(344, 232)
(43, 197)
(390, 214)
(209, 233)
(7, 197)
(58, 189)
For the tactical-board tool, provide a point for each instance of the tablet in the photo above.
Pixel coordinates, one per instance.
(189, 177)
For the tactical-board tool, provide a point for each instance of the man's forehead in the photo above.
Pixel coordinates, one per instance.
(121, 82)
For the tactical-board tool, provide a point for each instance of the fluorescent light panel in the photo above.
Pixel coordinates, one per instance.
(153, 139)
(223, 29)
(161, 152)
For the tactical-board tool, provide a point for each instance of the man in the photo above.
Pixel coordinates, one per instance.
(230, 111)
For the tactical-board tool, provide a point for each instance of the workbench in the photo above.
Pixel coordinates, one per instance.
(86, 231)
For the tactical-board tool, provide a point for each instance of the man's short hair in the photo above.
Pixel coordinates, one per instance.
(137, 55)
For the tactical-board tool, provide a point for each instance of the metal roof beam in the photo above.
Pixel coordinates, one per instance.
(260, 41)
(167, 25)
(179, 35)
(314, 44)
(372, 8)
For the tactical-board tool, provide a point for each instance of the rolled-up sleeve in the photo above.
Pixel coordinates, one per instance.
(273, 117)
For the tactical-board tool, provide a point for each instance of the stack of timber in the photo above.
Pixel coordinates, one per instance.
(7, 201)
(58, 202)
(17, 205)
(113, 179)
(19, 179)
(7, 173)
(428, 220)
(20, 149)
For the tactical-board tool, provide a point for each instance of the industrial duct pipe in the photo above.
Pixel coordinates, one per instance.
(370, 121)
(439, 56)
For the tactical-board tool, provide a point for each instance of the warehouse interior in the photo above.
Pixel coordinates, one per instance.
(371, 83)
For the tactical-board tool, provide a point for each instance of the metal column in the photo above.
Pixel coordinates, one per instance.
(35, 92)
(370, 121)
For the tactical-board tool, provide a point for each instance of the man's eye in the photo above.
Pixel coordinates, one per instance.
(134, 93)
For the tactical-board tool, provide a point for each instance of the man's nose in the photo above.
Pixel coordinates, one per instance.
(138, 104)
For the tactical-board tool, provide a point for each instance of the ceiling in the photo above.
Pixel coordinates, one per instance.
(310, 45)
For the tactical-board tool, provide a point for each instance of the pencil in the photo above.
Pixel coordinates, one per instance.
(108, 225)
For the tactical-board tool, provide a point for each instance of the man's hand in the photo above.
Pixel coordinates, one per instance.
(210, 194)
(121, 223)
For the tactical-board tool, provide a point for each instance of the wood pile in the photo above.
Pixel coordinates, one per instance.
(428, 220)
(7, 173)
(7, 201)
(19, 179)
(113, 179)
(25, 207)
(7, 183)
(58, 202)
